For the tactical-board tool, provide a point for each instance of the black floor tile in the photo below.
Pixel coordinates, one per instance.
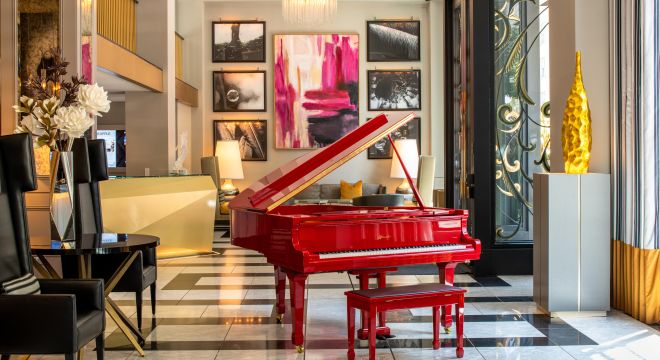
(567, 336)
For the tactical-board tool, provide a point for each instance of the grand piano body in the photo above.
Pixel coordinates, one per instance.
(304, 239)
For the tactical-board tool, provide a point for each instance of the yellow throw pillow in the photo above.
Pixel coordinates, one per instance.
(349, 191)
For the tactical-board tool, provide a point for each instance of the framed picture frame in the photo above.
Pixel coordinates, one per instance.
(382, 149)
(393, 40)
(324, 106)
(238, 41)
(239, 91)
(251, 136)
(394, 90)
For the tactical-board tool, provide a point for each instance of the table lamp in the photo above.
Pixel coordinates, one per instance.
(229, 164)
(407, 149)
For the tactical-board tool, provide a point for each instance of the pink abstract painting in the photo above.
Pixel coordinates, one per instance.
(316, 89)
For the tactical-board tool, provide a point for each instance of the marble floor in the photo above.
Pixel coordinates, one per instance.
(221, 307)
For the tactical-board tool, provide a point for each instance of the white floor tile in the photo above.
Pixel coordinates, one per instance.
(253, 269)
(259, 354)
(215, 295)
(508, 308)
(215, 311)
(340, 354)
(267, 294)
(440, 354)
(525, 353)
(617, 327)
(219, 269)
(225, 280)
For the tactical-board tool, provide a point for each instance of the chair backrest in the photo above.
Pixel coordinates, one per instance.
(89, 167)
(425, 178)
(210, 167)
(17, 175)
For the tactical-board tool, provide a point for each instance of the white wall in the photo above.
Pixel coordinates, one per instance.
(581, 25)
(352, 17)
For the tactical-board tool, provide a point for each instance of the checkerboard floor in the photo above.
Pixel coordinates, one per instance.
(221, 306)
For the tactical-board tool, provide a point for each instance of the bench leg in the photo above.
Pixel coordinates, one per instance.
(382, 329)
(382, 282)
(436, 327)
(459, 327)
(351, 331)
(280, 288)
(446, 276)
(372, 334)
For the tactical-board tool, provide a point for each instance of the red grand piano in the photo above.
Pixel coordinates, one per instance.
(304, 239)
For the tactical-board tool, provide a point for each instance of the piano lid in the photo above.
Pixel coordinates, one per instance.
(288, 180)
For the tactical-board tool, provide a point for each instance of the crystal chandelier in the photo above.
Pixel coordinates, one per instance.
(308, 11)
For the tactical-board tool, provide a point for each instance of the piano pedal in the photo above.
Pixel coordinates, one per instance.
(447, 330)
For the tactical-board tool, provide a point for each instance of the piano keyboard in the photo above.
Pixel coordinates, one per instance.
(391, 251)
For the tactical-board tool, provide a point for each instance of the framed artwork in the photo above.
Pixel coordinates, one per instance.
(316, 89)
(235, 91)
(382, 149)
(393, 40)
(250, 134)
(238, 41)
(394, 89)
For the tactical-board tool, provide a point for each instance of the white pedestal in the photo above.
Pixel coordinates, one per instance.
(572, 243)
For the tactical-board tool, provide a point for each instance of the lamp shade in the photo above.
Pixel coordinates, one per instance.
(407, 148)
(229, 159)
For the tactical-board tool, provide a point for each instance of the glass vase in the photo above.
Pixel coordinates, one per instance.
(62, 209)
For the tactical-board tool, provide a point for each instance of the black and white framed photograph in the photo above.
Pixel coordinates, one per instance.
(394, 89)
(239, 41)
(393, 40)
(250, 134)
(236, 91)
(382, 149)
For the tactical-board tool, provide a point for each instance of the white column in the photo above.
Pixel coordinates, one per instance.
(437, 48)
(151, 116)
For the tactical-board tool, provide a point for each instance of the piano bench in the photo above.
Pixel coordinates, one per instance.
(373, 301)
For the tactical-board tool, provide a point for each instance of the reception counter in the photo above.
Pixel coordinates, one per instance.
(180, 210)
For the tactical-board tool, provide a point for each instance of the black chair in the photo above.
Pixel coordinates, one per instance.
(67, 314)
(90, 167)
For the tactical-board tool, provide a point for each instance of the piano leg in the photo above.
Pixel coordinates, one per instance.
(280, 288)
(446, 275)
(297, 289)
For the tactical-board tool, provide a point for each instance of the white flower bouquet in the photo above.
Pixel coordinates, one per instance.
(55, 112)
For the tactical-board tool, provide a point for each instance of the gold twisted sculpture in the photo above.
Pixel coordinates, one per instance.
(576, 127)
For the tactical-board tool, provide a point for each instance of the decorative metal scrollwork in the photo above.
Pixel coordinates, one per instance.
(522, 127)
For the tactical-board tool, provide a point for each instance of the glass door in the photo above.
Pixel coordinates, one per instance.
(521, 116)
